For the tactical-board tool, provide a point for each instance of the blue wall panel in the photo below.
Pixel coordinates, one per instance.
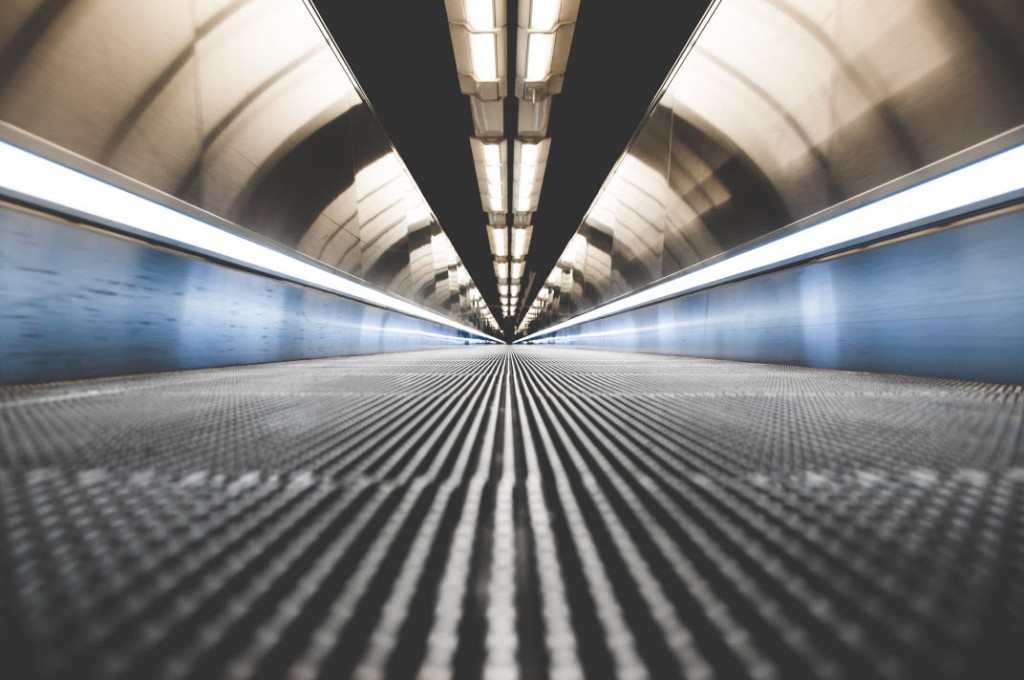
(80, 303)
(947, 303)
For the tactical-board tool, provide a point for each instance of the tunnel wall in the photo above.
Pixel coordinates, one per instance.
(243, 109)
(80, 302)
(946, 303)
(781, 110)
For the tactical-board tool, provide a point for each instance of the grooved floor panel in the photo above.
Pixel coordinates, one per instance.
(506, 513)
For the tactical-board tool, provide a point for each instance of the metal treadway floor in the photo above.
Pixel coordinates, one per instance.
(512, 513)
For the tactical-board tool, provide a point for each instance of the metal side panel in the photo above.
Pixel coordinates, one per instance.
(947, 303)
(80, 303)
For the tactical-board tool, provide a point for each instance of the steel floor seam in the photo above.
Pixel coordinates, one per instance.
(512, 512)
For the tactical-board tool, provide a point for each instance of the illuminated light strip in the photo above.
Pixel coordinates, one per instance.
(989, 178)
(31, 175)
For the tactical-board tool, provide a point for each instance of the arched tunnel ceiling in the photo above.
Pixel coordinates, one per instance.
(241, 109)
(621, 54)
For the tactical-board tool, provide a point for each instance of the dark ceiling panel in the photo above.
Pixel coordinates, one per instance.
(402, 56)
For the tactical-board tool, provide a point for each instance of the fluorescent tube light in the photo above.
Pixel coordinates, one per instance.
(484, 50)
(521, 241)
(494, 188)
(39, 178)
(495, 177)
(539, 52)
(498, 238)
(480, 15)
(477, 30)
(530, 161)
(492, 154)
(544, 34)
(544, 14)
(495, 202)
(983, 180)
(529, 153)
(489, 158)
(523, 202)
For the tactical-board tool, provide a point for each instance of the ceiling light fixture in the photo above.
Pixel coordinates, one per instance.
(478, 37)
(497, 236)
(490, 161)
(530, 160)
(521, 241)
(544, 35)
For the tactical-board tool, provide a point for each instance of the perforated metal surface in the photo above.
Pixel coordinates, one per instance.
(528, 512)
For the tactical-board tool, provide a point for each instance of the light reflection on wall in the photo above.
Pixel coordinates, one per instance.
(780, 109)
(239, 107)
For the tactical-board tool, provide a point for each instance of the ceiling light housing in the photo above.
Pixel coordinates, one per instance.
(491, 161)
(497, 236)
(488, 117)
(478, 38)
(531, 158)
(521, 241)
(543, 37)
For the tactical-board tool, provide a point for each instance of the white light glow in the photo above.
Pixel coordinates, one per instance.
(498, 237)
(480, 15)
(529, 175)
(544, 14)
(574, 254)
(516, 270)
(495, 174)
(492, 155)
(982, 180)
(527, 178)
(484, 50)
(540, 52)
(419, 213)
(520, 242)
(34, 176)
(529, 154)
(495, 202)
(501, 270)
(491, 172)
